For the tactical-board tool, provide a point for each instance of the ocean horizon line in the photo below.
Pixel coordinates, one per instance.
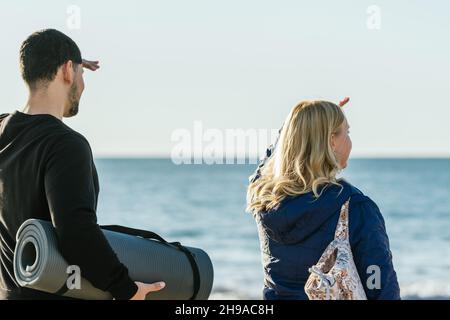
(246, 159)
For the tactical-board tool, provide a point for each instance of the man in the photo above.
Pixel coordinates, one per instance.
(47, 172)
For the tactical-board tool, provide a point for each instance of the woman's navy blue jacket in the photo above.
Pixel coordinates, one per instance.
(294, 236)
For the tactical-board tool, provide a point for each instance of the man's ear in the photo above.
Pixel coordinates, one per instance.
(68, 72)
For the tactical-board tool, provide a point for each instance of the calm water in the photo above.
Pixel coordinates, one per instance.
(203, 206)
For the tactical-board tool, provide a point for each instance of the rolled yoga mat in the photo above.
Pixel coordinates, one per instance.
(187, 272)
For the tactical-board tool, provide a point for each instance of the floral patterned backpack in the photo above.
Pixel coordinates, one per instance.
(335, 276)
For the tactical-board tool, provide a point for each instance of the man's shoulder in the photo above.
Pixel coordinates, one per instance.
(70, 141)
(70, 135)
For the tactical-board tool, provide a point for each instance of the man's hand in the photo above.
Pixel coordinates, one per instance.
(91, 65)
(146, 288)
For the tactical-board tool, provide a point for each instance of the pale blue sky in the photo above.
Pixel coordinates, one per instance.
(244, 64)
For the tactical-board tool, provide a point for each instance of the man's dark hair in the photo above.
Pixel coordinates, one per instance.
(43, 52)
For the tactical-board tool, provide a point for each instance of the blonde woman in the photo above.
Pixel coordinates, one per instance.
(296, 198)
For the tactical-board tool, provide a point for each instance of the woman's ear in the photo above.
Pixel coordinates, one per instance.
(333, 142)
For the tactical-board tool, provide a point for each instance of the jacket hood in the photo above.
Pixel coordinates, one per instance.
(15, 124)
(296, 218)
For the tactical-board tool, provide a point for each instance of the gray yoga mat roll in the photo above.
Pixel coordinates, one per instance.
(39, 265)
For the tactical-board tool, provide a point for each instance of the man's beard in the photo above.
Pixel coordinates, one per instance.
(73, 101)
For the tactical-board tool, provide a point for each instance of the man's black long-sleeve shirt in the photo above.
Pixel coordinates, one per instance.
(47, 172)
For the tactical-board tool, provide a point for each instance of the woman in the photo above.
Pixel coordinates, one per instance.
(296, 199)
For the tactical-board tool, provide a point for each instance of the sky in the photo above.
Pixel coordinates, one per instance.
(243, 65)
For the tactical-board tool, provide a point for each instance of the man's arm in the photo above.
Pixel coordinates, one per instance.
(71, 197)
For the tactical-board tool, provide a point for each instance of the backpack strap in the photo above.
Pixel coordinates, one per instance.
(341, 232)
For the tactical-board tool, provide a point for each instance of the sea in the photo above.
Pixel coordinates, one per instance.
(203, 206)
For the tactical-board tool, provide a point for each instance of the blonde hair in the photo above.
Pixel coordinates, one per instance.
(303, 160)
